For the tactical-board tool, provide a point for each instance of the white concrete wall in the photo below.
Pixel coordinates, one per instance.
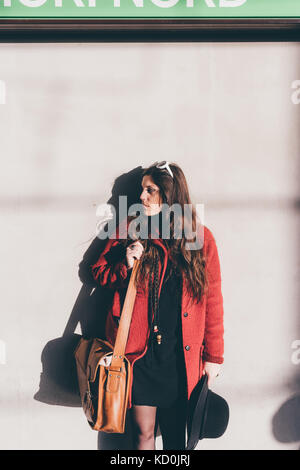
(79, 115)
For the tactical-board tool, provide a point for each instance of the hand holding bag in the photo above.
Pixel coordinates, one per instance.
(104, 389)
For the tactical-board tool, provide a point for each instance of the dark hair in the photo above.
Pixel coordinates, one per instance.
(191, 263)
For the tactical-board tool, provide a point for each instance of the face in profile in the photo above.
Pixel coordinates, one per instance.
(150, 196)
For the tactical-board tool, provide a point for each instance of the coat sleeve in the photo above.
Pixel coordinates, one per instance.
(111, 270)
(90, 257)
(214, 328)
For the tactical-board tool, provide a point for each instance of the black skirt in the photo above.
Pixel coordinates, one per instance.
(159, 376)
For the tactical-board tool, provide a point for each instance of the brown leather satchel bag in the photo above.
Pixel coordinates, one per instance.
(104, 389)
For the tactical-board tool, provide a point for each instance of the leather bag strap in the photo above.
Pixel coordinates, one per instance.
(125, 320)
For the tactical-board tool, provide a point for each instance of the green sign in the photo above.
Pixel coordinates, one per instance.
(149, 8)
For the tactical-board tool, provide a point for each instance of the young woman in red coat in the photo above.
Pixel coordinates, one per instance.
(176, 331)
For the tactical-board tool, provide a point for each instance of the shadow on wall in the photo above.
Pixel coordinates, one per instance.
(286, 421)
(58, 381)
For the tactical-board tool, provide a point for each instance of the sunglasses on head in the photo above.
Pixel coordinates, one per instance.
(165, 166)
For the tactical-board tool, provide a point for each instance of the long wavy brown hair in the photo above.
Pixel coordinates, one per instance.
(187, 262)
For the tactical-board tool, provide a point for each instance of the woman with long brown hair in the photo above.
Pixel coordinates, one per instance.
(176, 330)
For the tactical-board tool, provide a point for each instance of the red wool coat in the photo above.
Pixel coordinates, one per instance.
(202, 323)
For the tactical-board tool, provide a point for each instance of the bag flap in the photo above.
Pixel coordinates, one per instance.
(98, 350)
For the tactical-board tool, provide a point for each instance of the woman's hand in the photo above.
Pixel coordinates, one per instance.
(133, 251)
(211, 369)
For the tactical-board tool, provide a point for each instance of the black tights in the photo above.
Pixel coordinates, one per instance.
(171, 422)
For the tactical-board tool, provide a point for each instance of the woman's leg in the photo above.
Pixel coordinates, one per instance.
(144, 423)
